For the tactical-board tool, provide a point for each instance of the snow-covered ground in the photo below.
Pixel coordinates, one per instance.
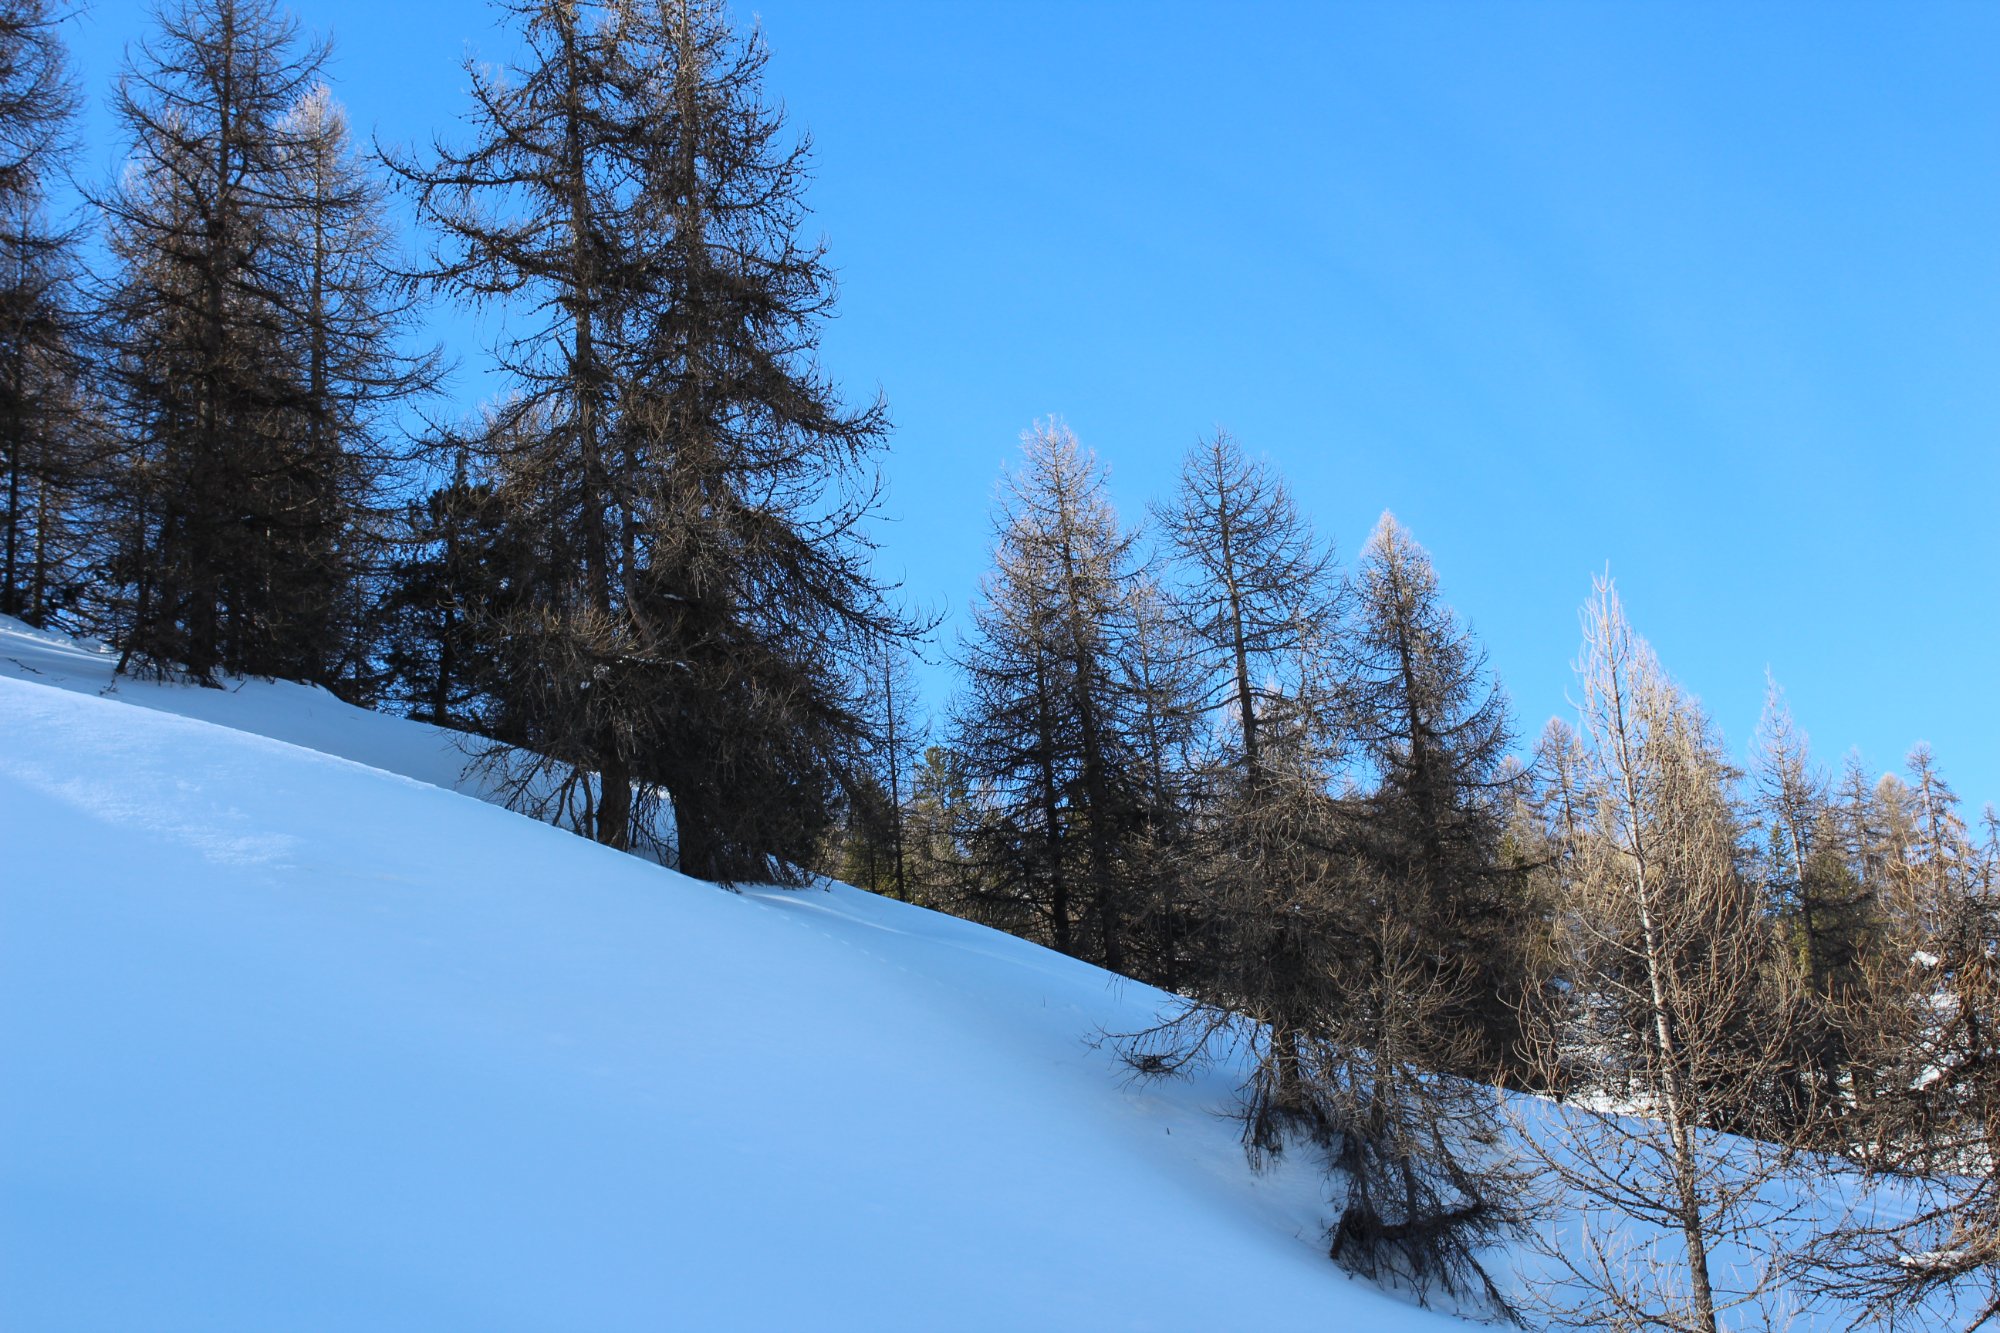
(304, 715)
(294, 1037)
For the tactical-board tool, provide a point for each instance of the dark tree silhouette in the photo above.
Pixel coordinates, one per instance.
(633, 201)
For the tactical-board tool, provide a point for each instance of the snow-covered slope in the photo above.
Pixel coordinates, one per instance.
(302, 714)
(288, 1041)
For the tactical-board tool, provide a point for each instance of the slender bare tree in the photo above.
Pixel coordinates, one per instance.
(1671, 1024)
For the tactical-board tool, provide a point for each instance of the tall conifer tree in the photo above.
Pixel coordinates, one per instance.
(252, 343)
(632, 198)
(1432, 731)
(45, 435)
(1045, 726)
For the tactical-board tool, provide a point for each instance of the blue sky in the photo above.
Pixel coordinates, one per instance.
(1709, 294)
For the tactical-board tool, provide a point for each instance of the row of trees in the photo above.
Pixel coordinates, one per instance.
(644, 576)
(1217, 763)
(1766, 979)
(1291, 796)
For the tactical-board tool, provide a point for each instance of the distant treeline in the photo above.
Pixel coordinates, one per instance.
(1203, 754)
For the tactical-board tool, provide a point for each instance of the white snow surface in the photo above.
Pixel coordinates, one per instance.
(293, 1036)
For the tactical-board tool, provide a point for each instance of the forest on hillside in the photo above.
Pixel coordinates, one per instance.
(1199, 751)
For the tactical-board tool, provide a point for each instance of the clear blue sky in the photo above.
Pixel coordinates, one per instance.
(1707, 293)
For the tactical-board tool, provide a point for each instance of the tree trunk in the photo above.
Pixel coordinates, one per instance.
(614, 805)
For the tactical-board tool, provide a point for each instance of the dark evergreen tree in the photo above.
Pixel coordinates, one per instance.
(1432, 924)
(633, 199)
(1432, 732)
(870, 847)
(466, 566)
(1258, 595)
(46, 437)
(1255, 587)
(1817, 901)
(939, 815)
(350, 323)
(1046, 723)
(1175, 774)
(899, 735)
(252, 345)
(216, 502)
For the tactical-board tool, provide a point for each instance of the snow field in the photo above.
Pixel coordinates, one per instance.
(290, 1041)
